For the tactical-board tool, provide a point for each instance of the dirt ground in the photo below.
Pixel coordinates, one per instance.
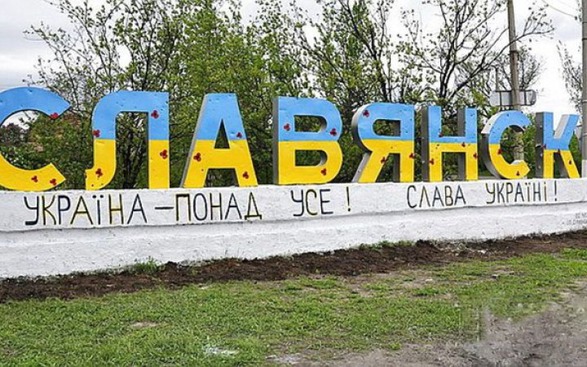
(343, 263)
(556, 337)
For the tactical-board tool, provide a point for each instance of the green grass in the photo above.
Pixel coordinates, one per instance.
(241, 323)
(149, 267)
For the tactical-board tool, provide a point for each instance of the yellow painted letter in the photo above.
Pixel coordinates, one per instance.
(288, 141)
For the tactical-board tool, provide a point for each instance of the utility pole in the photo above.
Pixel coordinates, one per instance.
(584, 94)
(515, 79)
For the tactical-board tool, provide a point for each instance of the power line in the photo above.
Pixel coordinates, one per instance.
(558, 9)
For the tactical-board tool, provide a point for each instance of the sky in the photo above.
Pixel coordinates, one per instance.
(19, 52)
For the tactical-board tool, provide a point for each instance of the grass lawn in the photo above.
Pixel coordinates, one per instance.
(242, 323)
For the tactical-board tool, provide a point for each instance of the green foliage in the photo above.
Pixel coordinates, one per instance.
(149, 267)
(117, 46)
(345, 53)
(257, 62)
(15, 147)
(66, 144)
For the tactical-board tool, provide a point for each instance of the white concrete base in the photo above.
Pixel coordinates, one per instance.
(53, 250)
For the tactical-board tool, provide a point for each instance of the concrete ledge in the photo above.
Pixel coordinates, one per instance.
(62, 232)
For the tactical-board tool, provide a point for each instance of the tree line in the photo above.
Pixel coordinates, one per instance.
(349, 52)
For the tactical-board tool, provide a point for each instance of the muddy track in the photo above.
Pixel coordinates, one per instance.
(343, 262)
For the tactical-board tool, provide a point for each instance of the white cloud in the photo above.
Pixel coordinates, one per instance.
(19, 52)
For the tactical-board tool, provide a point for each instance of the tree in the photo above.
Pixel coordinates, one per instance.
(352, 56)
(121, 45)
(498, 78)
(346, 54)
(14, 145)
(185, 47)
(257, 62)
(467, 46)
(572, 75)
(348, 50)
(572, 70)
(458, 58)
